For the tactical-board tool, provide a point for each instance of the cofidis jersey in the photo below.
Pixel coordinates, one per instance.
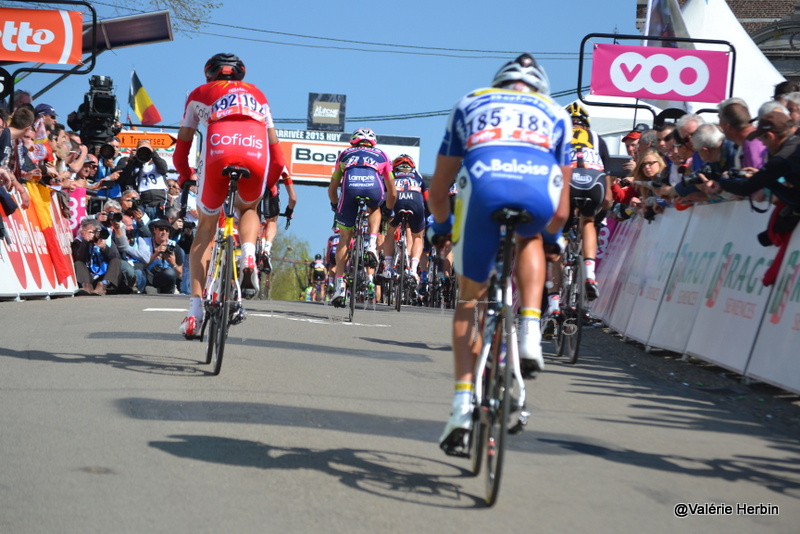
(224, 99)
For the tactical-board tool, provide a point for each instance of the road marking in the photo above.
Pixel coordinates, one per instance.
(287, 317)
(317, 321)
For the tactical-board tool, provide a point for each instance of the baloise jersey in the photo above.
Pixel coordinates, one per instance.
(489, 118)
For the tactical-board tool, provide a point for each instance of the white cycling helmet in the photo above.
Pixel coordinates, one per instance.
(523, 69)
(363, 134)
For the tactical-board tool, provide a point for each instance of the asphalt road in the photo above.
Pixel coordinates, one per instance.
(110, 424)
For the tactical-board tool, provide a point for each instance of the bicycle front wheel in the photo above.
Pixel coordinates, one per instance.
(499, 409)
(219, 332)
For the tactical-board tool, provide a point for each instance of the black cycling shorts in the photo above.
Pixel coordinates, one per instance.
(587, 191)
(269, 206)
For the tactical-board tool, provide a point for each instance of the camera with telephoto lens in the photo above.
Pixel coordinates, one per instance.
(136, 203)
(710, 174)
(113, 216)
(624, 182)
(104, 234)
(107, 152)
(189, 225)
(144, 154)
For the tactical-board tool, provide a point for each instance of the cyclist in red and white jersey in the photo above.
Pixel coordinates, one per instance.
(239, 131)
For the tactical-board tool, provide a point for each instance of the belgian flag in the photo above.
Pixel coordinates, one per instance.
(141, 104)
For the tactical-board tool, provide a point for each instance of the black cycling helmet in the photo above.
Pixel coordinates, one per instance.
(224, 67)
(318, 257)
(523, 69)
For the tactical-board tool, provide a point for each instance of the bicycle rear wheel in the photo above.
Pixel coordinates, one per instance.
(567, 281)
(499, 405)
(219, 331)
(401, 274)
(576, 303)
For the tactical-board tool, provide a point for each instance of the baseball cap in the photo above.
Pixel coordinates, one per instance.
(774, 121)
(45, 109)
(632, 135)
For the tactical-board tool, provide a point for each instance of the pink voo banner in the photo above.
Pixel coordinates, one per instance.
(660, 73)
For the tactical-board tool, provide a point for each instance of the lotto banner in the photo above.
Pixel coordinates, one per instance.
(660, 73)
(27, 260)
(41, 36)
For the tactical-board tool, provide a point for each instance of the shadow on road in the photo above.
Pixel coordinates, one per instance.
(391, 475)
(162, 364)
(778, 475)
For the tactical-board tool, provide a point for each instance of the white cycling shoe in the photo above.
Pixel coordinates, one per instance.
(338, 296)
(531, 360)
(454, 441)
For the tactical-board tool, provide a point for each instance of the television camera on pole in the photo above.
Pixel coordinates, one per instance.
(97, 118)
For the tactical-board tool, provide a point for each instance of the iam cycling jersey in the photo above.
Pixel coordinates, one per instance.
(237, 117)
(363, 169)
(330, 254)
(513, 146)
(411, 191)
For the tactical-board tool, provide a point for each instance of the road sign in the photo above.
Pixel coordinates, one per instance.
(131, 138)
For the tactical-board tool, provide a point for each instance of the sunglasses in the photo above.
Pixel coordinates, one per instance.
(92, 165)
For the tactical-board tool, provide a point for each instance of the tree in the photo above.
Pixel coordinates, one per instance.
(186, 15)
(290, 260)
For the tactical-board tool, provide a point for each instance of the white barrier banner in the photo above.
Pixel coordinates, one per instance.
(734, 299)
(657, 245)
(776, 356)
(614, 257)
(698, 258)
(626, 286)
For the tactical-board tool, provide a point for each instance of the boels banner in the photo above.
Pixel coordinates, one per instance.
(660, 73)
(41, 36)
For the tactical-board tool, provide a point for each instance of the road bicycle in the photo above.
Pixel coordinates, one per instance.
(572, 295)
(222, 296)
(357, 278)
(499, 388)
(403, 287)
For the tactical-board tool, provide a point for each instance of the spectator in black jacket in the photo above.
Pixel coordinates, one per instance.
(97, 261)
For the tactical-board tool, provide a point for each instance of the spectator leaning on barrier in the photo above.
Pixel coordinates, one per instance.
(717, 153)
(736, 123)
(776, 130)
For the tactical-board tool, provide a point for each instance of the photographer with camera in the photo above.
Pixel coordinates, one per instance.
(146, 173)
(110, 168)
(132, 209)
(97, 263)
(165, 265)
(718, 156)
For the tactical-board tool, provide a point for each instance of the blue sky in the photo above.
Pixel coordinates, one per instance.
(377, 80)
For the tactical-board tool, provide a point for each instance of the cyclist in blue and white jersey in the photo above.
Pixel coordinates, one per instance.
(363, 170)
(411, 195)
(507, 146)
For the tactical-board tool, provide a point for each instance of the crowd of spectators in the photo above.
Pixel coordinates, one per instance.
(693, 159)
(128, 235)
